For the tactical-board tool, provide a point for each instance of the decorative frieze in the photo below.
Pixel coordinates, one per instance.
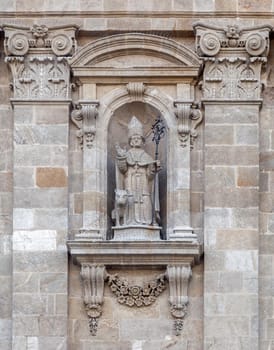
(233, 60)
(84, 117)
(189, 117)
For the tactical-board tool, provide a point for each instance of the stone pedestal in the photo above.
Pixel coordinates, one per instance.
(136, 233)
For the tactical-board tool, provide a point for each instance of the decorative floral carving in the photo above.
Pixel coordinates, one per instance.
(84, 116)
(40, 77)
(136, 295)
(186, 112)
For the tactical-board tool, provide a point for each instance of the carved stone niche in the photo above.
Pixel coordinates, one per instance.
(95, 258)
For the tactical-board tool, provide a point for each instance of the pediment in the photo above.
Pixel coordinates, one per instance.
(134, 50)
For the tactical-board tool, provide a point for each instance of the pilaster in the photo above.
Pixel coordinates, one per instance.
(233, 60)
(37, 58)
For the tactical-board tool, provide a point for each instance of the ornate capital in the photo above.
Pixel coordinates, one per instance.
(84, 117)
(93, 278)
(233, 59)
(59, 41)
(232, 41)
(37, 57)
(178, 276)
(189, 117)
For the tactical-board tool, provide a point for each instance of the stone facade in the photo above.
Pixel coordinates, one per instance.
(72, 76)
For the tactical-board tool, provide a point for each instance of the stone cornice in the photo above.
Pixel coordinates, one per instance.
(153, 253)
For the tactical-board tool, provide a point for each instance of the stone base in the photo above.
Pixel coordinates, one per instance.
(136, 233)
(184, 234)
(91, 234)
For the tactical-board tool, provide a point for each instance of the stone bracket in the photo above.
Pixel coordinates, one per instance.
(189, 117)
(94, 257)
(178, 276)
(136, 90)
(84, 117)
(93, 277)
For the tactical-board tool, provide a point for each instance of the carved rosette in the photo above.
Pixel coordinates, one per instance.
(178, 277)
(233, 59)
(84, 117)
(93, 277)
(37, 57)
(189, 117)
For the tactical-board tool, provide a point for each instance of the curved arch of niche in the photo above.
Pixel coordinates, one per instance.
(111, 103)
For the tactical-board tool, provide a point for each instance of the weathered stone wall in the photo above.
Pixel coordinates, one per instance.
(232, 162)
(6, 183)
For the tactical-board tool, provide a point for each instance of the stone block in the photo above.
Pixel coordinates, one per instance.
(204, 6)
(250, 282)
(245, 218)
(239, 304)
(116, 5)
(41, 134)
(26, 282)
(186, 5)
(241, 260)
(226, 156)
(6, 181)
(6, 160)
(51, 218)
(219, 177)
(6, 140)
(6, 203)
(36, 240)
(231, 198)
(40, 198)
(224, 5)
(151, 329)
(266, 202)
(266, 244)
(23, 219)
(219, 134)
(51, 115)
(5, 265)
(267, 161)
(214, 304)
(26, 325)
(61, 304)
(44, 155)
(237, 239)
(217, 218)
(105, 345)
(51, 177)
(247, 134)
(52, 343)
(247, 176)
(253, 6)
(53, 283)
(227, 326)
(232, 114)
(129, 24)
(24, 114)
(49, 261)
(230, 282)
(29, 304)
(53, 326)
(5, 296)
(23, 177)
(215, 260)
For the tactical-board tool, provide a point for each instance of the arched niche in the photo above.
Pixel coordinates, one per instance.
(118, 133)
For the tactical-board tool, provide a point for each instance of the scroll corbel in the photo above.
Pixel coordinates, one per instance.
(189, 117)
(178, 277)
(93, 278)
(84, 117)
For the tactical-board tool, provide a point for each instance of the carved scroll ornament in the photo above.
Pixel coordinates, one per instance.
(93, 277)
(57, 40)
(189, 117)
(84, 117)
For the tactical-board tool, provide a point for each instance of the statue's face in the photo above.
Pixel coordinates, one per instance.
(136, 141)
